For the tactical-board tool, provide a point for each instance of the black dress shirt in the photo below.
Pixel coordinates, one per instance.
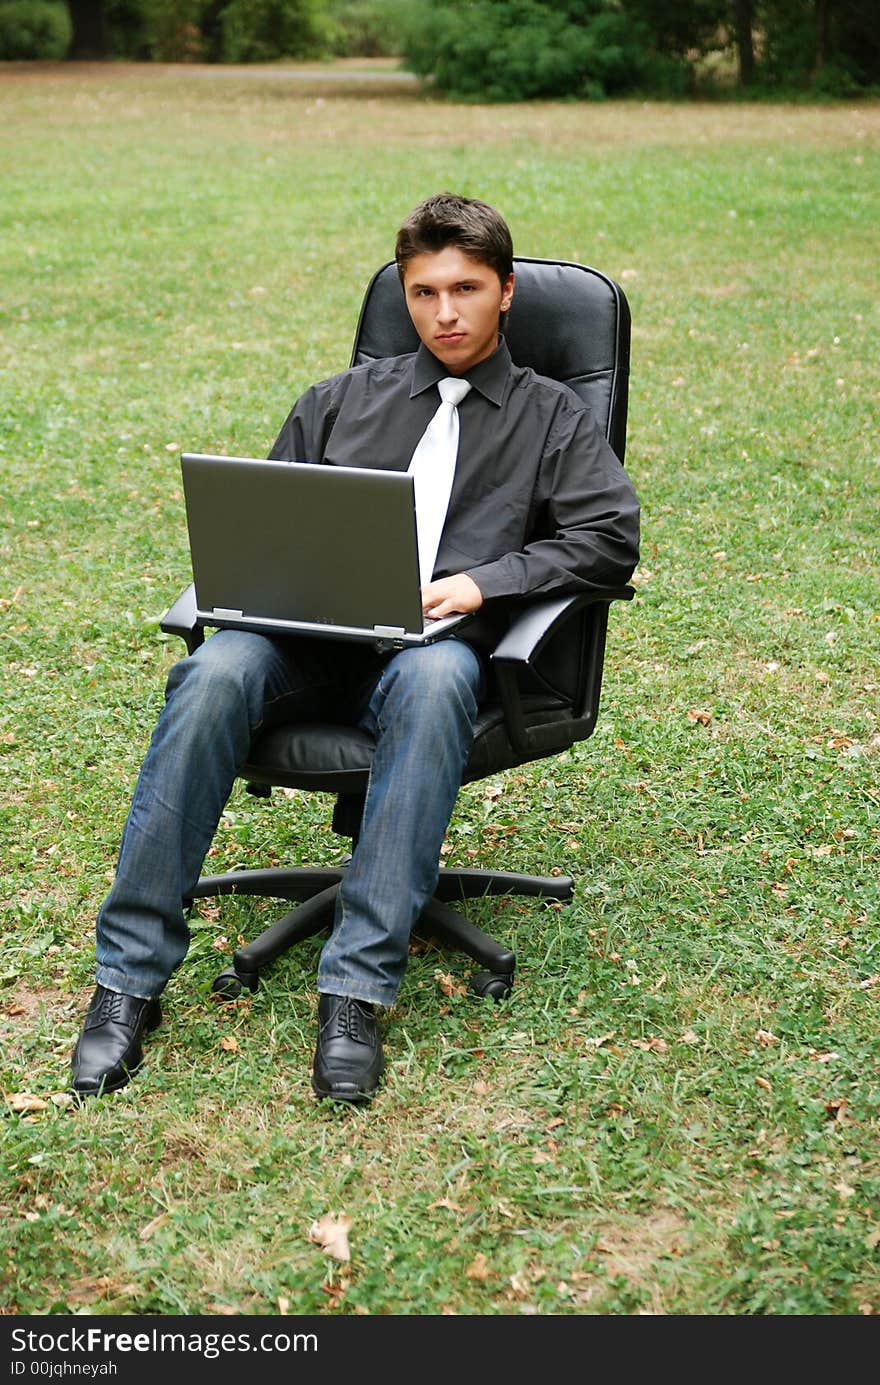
(540, 503)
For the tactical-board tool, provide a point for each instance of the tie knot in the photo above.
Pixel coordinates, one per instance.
(453, 390)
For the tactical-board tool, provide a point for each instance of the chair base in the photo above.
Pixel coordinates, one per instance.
(316, 889)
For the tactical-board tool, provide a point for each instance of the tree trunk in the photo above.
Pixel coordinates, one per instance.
(823, 36)
(745, 43)
(89, 29)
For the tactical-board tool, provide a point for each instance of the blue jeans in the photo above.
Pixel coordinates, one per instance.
(418, 704)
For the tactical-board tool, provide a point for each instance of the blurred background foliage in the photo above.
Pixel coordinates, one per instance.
(488, 50)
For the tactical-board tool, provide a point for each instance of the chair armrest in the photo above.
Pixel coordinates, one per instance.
(517, 650)
(180, 619)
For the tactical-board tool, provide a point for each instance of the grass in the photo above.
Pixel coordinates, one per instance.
(677, 1111)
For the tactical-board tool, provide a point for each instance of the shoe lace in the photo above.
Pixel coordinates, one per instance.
(351, 1019)
(107, 1006)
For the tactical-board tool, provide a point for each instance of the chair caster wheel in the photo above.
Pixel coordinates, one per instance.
(491, 983)
(229, 985)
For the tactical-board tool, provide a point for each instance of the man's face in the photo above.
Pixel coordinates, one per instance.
(454, 302)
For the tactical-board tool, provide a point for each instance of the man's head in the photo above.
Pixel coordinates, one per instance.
(455, 260)
(446, 219)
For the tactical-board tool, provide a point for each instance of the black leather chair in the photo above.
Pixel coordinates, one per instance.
(569, 322)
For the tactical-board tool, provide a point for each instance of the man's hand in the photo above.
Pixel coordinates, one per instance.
(450, 595)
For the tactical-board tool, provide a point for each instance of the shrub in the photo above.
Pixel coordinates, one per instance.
(261, 30)
(514, 50)
(32, 29)
(368, 28)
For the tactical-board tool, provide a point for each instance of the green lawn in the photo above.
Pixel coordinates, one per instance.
(678, 1109)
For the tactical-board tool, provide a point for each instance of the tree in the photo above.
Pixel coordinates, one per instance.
(744, 29)
(89, 22)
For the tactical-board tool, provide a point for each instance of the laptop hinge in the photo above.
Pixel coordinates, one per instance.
(389, 632)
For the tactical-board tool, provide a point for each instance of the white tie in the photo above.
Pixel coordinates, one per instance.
(433, 469)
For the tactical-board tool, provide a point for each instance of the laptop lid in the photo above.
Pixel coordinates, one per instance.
(297, 548)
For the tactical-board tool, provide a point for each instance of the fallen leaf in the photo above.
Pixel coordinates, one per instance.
(766, 1036)
(147, 1231)
(448, 1204)
(330, 1232)
(26, 1101)
(478, 1268)
(448, 985)
(762, 1082)
(701, 718)
(230, 1043)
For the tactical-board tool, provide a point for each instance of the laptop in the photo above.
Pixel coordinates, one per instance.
(292, 548)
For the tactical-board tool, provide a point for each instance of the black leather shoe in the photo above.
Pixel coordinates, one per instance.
(348, 1056)
(109, 1050)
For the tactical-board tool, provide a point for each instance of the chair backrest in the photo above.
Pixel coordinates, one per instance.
(566, 321)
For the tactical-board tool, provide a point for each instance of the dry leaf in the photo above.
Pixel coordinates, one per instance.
(699, 717)
(283, 1306)
(146, 1231)
(478, 1268)
(448, 985)
(448, 1204)
(762, 1082)
(766, 1036)
(230, 1043)
(331, 1234)
(26, 1101)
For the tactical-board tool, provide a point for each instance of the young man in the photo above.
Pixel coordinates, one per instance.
(534, 501)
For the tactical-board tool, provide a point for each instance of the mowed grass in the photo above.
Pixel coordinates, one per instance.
(677, 1110)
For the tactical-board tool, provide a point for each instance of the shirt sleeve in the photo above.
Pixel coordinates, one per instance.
(588, 533)
(303, 436)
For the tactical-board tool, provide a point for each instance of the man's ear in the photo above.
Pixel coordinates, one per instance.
(507, 292)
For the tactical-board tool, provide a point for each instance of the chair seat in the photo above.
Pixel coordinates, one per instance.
(324, 756)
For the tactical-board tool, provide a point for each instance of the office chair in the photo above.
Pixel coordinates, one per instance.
(569, 322)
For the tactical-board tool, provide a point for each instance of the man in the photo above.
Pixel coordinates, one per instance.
(535, 503)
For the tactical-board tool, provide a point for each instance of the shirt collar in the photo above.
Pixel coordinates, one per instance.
(489, 376)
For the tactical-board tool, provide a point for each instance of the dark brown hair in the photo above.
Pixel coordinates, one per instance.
(446, 219)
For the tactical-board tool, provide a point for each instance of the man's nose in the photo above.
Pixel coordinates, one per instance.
(446, 309)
